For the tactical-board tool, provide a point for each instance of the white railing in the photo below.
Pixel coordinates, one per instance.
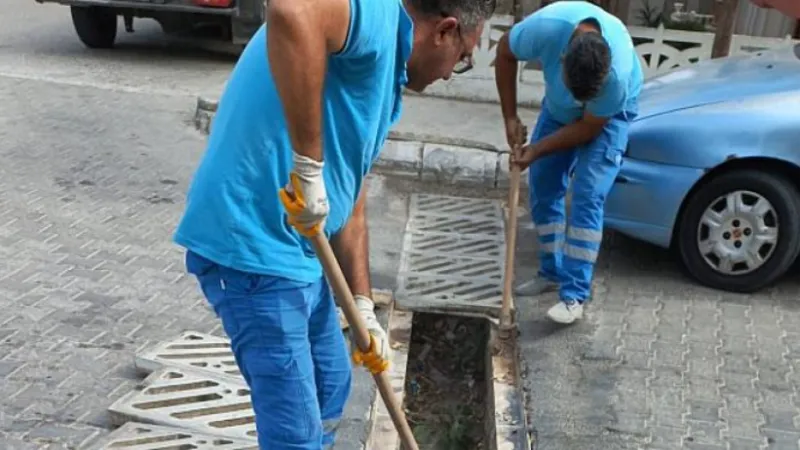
(660, 51)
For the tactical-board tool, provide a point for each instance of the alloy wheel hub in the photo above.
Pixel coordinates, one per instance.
(738, 233)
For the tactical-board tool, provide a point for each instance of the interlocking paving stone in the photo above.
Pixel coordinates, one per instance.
(660, 362)
(89, 198)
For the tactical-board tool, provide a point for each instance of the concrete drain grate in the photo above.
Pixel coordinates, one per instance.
(179, 398)
(461, 215)
(453, 255)
(201, 353)
(140, 436)
(485, 227)
(433, 242)
(450, 205)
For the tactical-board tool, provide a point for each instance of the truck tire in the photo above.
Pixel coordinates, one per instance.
(96, 26)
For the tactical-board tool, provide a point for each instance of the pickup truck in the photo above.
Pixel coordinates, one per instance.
(234, 21)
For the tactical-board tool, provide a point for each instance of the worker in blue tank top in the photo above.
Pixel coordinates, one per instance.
(303, 117)
(592, 80)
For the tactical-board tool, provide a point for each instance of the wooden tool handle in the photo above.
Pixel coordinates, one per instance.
(511, 246)
(362, 339)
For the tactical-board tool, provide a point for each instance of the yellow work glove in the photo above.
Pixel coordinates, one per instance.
(376, 360)
(305, 197)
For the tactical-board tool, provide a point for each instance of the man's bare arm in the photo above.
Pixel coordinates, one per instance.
(300, 36)
(572, 135)
(351, 246)
(505, 69)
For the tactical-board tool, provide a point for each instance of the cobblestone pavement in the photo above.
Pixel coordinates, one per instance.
(662, 363)
(94, 163)
(91, 187)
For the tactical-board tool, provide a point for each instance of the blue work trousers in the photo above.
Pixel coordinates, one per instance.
(290, 349)
(568, 252)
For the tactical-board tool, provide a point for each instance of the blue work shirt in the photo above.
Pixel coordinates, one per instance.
(544, 36)
(233, 214)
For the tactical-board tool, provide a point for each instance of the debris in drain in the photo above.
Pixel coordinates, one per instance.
(446, 382)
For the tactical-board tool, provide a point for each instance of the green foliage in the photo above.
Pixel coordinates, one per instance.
(450, 432)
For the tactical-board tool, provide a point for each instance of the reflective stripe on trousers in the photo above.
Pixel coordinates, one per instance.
(570, 259)
(551, 237)
(583, 244)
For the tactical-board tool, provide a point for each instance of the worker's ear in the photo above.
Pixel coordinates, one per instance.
(445, 26)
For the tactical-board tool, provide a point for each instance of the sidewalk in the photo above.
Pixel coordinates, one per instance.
(447, 142)
(454, 120)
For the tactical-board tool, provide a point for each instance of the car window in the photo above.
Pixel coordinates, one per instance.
(797, 50)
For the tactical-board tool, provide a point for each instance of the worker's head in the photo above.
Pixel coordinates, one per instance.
(445, 35)
(586, 61)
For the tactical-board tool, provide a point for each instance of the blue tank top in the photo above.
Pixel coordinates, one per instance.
(233, 215)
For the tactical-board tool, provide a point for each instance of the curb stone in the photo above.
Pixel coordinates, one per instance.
(423, 157)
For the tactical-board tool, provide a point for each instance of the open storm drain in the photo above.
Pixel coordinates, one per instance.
(446, 382)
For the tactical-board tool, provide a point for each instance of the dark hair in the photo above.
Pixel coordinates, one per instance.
(470, 13)
(586, 65)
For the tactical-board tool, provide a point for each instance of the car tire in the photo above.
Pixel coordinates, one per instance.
(96, 26)
(784, 199)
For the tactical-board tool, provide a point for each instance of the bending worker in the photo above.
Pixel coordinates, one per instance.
(592, 81)
(303, 117)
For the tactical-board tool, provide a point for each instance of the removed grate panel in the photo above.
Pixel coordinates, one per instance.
(179, 398)
(141, 436)
(198, 352)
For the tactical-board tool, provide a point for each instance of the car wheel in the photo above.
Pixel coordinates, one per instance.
(739, 231)
(96, 26)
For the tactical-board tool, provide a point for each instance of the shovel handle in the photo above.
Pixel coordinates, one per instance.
(511, 246)
(361, 336)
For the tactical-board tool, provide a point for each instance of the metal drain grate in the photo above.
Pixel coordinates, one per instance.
(201, 353)
(453, 255)
(179, 398)
(140, 436)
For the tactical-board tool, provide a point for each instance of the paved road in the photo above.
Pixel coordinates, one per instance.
(96, 151)
(661, 363)
(96, 154)
(39, 43)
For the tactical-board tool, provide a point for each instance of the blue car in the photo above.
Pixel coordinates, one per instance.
(712, 169)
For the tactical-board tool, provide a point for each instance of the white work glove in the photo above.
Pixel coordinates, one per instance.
(305, 197)
(377, 360)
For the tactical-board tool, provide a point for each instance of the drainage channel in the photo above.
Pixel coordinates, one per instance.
(446, 384)
(457, 380)
(460, 390)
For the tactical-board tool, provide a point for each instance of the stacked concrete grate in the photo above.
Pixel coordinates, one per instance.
(193, 397)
